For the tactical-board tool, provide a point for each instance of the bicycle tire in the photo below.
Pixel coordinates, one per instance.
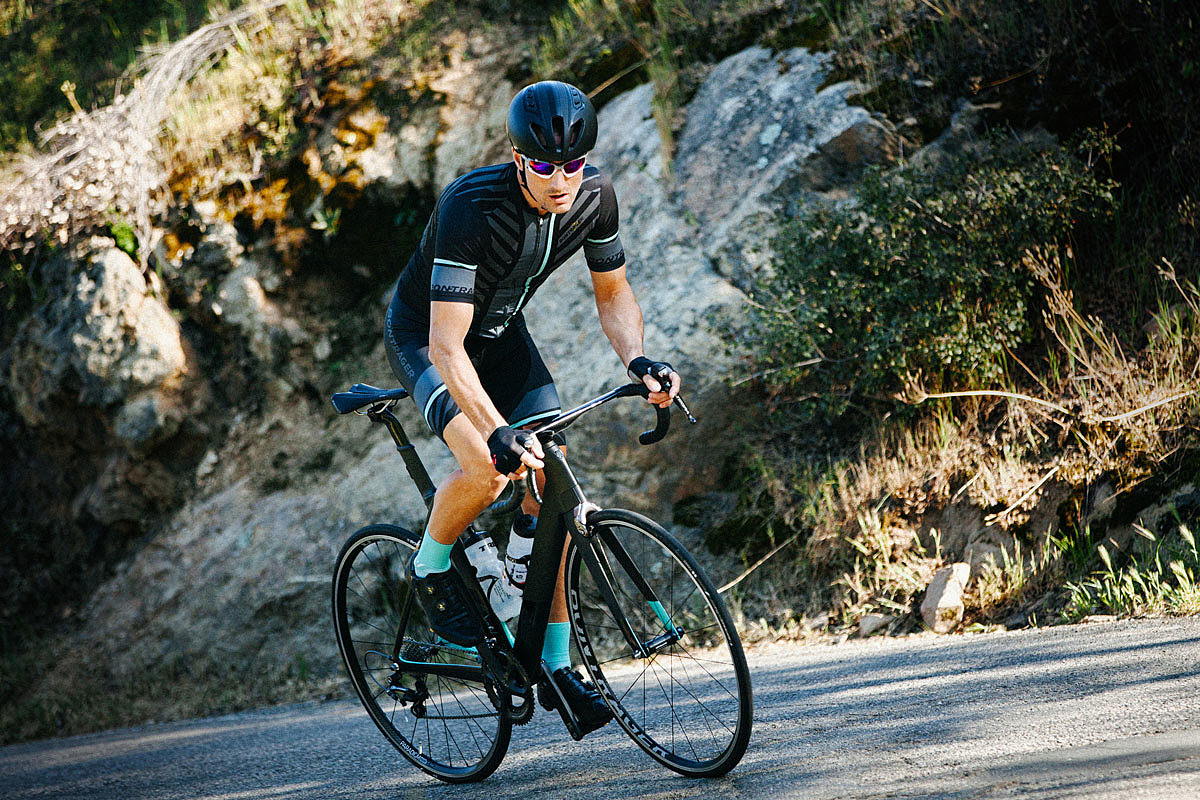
(689, 705)
(454, 732)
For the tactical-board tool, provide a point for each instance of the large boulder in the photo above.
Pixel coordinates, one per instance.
(108, 343)
(764, 134)
(243, 303)
(450, 125)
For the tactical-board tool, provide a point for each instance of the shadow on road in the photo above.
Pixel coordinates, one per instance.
(930, 717)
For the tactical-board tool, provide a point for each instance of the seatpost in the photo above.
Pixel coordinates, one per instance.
(412, 461)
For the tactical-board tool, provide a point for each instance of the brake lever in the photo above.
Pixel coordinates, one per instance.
(683, 406)
(665, 382)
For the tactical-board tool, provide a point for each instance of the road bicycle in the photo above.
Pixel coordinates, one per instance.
(651, 630)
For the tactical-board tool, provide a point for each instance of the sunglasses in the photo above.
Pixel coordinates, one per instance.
(547, 169)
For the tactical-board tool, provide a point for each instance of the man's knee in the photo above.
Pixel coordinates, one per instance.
(484, 475)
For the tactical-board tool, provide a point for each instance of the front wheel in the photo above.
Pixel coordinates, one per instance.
(447, 726)
(658, 641)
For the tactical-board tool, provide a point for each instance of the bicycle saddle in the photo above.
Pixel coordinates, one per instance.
(362, 394)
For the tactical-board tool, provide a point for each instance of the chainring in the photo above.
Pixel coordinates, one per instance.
(500, 692)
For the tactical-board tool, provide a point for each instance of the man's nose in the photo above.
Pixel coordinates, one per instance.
(558, 181)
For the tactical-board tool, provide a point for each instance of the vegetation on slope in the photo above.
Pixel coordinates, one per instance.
(1015, 334)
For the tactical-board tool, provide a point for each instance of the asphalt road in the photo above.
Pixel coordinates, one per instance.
(1107, 710)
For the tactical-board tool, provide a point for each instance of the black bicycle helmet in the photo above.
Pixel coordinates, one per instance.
(552, 121)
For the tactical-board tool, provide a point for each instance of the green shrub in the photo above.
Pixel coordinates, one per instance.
(922, 275)
(1160, 575)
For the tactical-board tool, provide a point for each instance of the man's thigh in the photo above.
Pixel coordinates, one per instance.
(517, 380)
(510, 370)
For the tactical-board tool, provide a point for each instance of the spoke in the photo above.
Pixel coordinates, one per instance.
(467, 716)
(615, 659)
(366, 597)
(704, 708)
(715, 679)
(373, 564)
(701, 703)
(641, 675)
(371, 625)
(371, 641)
(675, 718)
(451, 740)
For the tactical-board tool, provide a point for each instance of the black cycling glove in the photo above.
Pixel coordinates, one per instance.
(507, 446)
(659, 370)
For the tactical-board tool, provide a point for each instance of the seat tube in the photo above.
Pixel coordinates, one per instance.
(559, 499)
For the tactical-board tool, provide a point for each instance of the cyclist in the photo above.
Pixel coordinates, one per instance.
(456, 339)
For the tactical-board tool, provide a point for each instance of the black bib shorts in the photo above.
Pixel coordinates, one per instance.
(510, 368)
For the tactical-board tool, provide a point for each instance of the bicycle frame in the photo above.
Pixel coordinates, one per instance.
(564, 510)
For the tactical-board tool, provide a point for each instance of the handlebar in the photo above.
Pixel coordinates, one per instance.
(662, 424)
(662, 415)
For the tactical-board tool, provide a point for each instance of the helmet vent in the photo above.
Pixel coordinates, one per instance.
(551, 121)
(539, 133)
(559, 133)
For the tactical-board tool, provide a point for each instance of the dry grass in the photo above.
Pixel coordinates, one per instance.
(110, 159)
(1099, 411)
(187, 109)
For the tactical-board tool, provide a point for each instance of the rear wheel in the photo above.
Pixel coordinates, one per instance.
(448, 727)
(685, 699)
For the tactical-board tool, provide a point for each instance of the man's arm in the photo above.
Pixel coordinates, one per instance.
(621, 321)
(448, 326)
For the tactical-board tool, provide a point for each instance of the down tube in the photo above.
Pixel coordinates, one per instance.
(561, 497)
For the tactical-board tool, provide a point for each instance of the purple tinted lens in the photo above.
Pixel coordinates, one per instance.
(547, 168)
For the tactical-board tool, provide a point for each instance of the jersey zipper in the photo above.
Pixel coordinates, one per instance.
(545, 260)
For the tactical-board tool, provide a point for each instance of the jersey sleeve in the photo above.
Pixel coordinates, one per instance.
(602, 247)
(456, 250)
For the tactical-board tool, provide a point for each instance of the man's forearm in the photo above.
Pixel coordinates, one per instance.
(621, 321)
(462, 381)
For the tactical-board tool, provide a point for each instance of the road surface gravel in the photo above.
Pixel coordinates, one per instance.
(1109, 711)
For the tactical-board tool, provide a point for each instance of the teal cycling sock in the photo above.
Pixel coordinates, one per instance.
(432, 556)
(556, 651)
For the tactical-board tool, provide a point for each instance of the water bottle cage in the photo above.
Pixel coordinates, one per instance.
(518, 570)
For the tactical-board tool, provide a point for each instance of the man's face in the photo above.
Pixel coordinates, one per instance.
(554, 193)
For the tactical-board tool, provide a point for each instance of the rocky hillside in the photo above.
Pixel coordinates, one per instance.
(178, 483)
(210, 482)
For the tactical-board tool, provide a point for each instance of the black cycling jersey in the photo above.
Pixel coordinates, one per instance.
(485, 245)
